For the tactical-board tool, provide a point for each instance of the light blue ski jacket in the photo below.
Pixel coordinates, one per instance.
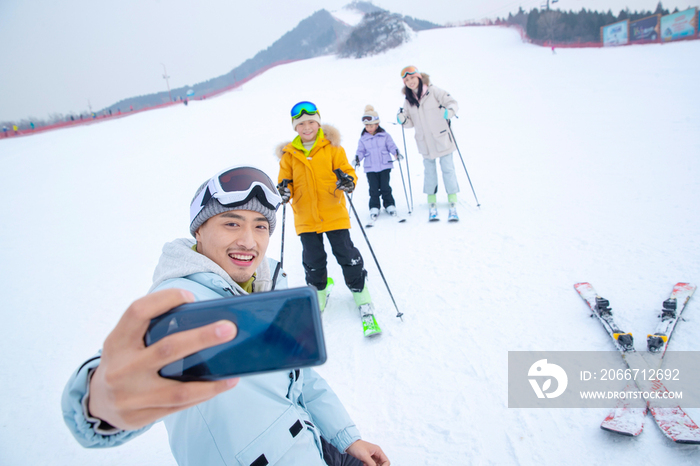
(275, 418)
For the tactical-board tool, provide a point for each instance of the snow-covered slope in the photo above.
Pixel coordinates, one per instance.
(586, 166)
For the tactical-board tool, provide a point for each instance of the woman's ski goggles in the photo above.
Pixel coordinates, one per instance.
(236, 186)
(408, 70)
(303, 107)
(368, 119)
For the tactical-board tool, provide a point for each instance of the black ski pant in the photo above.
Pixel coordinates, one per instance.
(314, 259)
(379, 186)
(333, 457)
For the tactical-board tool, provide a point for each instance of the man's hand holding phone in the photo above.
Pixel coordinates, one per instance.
(126, 390)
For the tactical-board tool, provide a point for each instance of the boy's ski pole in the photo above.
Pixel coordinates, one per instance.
(449, 125)
(284, 217)
(342, 176)
(408, 171)
(403, 182)
(357, 165)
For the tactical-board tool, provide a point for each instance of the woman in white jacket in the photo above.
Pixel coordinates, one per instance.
(428, 109)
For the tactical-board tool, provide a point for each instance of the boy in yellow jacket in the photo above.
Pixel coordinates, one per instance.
(307, 177)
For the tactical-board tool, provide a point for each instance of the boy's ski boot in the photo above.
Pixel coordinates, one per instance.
(324, 294)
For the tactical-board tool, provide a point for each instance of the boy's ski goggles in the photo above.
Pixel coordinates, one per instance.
(236, 186)
(303, 107)
(408, 70)
(368, 119)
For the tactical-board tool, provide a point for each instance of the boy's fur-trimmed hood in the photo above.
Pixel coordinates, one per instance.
(425, 77)
(329, 132)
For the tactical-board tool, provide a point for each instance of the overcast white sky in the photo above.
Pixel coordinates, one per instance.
(56, 56)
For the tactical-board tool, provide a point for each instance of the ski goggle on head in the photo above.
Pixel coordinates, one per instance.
(303, 107)
(369, 119)
(408, 70)
(236, 186)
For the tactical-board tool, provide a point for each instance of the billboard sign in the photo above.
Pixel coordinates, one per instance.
(645, 29)
(616, 33)
(679, 25)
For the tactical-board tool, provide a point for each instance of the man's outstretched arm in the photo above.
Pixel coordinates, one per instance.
(125, 390)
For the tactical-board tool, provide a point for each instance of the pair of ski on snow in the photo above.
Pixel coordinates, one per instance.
(627, 419)
(451, 217)
(372, 219)
(370, 327)
(432, 217)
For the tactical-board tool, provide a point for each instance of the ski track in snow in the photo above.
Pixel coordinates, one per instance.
(585, 164)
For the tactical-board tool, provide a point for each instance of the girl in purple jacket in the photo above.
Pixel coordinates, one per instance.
(378, 151)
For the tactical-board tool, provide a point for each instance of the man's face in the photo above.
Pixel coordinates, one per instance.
(307, 130)
(236, 240)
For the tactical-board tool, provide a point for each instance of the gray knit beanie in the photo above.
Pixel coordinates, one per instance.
(214, 207)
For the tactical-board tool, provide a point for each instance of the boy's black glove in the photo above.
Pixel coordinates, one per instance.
(346, 185)
(284, 191)
(345, 181)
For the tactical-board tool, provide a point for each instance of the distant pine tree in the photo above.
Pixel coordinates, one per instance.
(572, 27)
(660, 10)
(531, 29)
(520, 18)
(376, 33)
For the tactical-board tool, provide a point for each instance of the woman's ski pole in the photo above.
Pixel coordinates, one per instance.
(449, 125)
(398, 160)
(342, 176)
(408, 171)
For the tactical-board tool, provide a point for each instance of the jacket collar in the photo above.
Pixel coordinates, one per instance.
(376, 133)
(320, 137)
(179, 260)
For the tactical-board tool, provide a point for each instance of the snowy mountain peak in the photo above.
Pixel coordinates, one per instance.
(348, 15)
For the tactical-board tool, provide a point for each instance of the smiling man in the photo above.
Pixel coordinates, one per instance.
(285, 417)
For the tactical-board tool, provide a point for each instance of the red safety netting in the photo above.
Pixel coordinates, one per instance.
(88, 120)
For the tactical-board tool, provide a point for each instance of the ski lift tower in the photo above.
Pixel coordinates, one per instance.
(166, 77)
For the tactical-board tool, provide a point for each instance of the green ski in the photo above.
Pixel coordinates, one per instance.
(370, 326)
